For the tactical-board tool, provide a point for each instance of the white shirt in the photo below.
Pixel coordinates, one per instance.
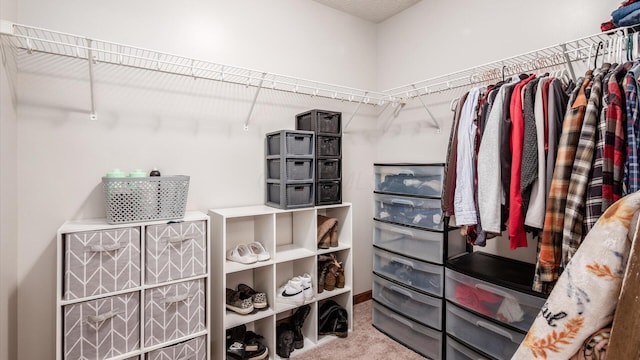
(463, 201)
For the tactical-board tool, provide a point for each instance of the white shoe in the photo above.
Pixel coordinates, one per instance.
(241, 254)
(259, 251)
(291, 292)
(307, 289)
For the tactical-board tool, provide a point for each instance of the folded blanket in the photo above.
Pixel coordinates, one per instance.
(619, 13)
(584, 299)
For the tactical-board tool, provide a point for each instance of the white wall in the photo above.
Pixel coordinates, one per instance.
(177, 124)
(438, 37)
(8, 202)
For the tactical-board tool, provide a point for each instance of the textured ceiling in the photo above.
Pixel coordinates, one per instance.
(372, 10)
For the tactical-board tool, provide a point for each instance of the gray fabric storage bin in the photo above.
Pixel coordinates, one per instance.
(103, 328)
(101, 262)
(175, 251)
(194, 349)
(174, 311)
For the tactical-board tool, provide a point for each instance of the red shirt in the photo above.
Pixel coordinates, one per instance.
(517, 236)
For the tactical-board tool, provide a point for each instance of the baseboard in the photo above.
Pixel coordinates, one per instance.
(362, 297)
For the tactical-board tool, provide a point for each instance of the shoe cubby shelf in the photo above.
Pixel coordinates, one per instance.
(290, 237)
(113, 282)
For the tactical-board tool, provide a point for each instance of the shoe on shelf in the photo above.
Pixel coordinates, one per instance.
(291, 293)
(254, 348)
(297, 320)
(284, 342)
(326, 227)
(307, 289)
(237, 304)
(259, 299)
(241, 254)
(235, 342)
(340, 279)
(259, 251)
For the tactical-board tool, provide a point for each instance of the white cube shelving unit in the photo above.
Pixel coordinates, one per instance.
(290, 236)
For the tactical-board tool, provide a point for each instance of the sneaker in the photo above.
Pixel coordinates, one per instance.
(237, 304)
(292, 292)
(235, 342)
(307, 290)
(254, 348)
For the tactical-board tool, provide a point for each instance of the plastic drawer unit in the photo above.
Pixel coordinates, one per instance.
(414, 273)
(320, 121)
(328, 169)
(409, 179)
(500, 303)
(175, 251)
(194, 349)
(290, 169)
(482, 334)
(457, 351)
(101, 262)
(419, 338)
(406, 210)
(422, 244)
(290, 143)
(417, 306)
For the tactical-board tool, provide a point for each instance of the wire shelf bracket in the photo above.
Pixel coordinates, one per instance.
(253, 103)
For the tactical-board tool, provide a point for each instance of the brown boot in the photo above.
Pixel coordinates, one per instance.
(322, 272)
(324, 242)
(325, 225)
(331, 277)
(334, 235)
(340, 280)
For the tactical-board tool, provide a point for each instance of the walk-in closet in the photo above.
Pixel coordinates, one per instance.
(319, 179)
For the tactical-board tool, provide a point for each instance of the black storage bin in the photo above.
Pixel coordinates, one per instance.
(320, 121)
(328, 146)
(328, 192)
(328, 169)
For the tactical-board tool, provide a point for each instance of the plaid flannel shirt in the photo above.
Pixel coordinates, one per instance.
(550, 252)
(631, 178)
(574, 210)
(605, 185)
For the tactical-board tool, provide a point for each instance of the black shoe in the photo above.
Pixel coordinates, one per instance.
(297, 320)
(284, 345)
(254, 348)
(235, 342)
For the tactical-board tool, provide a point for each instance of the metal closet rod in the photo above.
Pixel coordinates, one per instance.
(61, 42)
(471, 76)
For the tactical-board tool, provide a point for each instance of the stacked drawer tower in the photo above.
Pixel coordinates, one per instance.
(327, 126)
(411, 243)
(490, 305)
(290, 169)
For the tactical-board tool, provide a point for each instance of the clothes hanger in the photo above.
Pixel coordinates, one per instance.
(595, 59)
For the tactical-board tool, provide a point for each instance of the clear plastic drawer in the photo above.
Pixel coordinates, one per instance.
(414, 273)
(419, 338)
(505, 305)
(425, 245)
(409, 179)
(484, 335)
(420, 212)
(457, 351)
(419, 307)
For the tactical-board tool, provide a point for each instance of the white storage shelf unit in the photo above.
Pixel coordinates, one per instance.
(290, 236)
(133, 291)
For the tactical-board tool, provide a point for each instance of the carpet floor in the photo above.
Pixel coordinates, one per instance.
(364, 343)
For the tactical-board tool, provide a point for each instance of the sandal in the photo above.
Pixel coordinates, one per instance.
(237, 304)
(241, 254)
(259, 251)
(259, 299)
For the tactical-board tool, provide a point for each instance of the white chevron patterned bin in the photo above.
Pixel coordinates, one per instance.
(175, 251)
(103, 328)
(174, 311)
(194, 349)
(101, 262)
